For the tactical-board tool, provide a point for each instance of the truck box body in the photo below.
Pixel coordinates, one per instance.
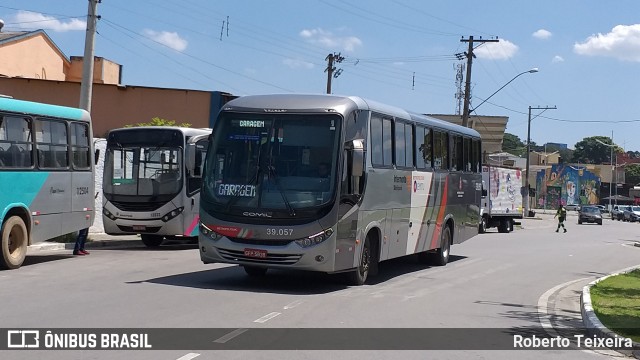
(503, 201)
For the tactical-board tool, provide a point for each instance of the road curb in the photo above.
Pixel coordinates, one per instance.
(593, 324)
(96, 244)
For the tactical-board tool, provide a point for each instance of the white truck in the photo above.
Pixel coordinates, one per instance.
(501, 198)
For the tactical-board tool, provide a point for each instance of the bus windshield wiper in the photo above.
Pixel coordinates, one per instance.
(272, 172)
(237, 195)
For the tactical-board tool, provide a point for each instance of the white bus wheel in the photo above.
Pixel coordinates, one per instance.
(15, 239)
(152, 240)
(359, 276)
(441, 256)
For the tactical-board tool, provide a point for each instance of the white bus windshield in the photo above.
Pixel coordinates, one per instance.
(273, 162)
(143, 171)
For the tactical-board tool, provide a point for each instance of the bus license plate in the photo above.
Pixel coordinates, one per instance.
(139, 227)
(255, 253)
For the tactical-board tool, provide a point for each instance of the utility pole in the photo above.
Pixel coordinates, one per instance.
(526, 179)
(86, 86)
(331, 70)
(467, 88)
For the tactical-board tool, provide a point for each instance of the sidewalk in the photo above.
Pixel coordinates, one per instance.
(95, 240)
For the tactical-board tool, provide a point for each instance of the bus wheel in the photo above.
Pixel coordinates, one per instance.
(441, 256)
(152, 240)
(14, 243)
(359, 276)
(483, 225)
(255, 271)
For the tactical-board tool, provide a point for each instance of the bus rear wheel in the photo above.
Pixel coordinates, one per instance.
(152, 240)
(441, 256)
(359, 276)
(15, 239)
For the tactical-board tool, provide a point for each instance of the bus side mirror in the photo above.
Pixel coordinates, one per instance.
(355, 149)
(191, 157)
(97, 157)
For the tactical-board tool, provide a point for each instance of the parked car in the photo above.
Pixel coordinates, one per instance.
(631, 213)
(603, 209)
(618, 212)
(573, 207)
(590, 214)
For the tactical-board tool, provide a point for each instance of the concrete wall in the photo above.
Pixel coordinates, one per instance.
(116, 106)
(104, 71)
(33, 57)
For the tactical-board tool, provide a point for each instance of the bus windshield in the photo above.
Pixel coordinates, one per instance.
(273, 162)
(143, 171)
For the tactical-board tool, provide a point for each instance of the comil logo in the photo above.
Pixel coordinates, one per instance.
(23, 339)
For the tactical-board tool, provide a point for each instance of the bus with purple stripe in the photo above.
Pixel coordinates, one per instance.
(46, 175)
(335, 184)
(151, 182)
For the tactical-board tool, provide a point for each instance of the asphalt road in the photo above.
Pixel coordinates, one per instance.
(528, 278)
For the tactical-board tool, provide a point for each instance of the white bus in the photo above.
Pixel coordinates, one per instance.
(335, 184)
(147, 188)
(46, 175)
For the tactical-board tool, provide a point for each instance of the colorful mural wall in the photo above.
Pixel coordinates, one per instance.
(568, 185)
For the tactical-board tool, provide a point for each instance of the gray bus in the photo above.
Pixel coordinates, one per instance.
(46, 175)
(151, 182)
(335, 184)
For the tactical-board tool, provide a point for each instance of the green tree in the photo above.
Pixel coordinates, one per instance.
(157, 121)
(590, 150)
(632, 174)
(512, 144)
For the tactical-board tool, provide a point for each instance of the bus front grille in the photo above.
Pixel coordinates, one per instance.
(137, 206)
(147, 230)
(271, 258)
(269, 242)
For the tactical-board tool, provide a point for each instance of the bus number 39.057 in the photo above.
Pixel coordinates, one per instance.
(279, 232)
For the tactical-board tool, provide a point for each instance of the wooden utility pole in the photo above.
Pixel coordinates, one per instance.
(86, 86)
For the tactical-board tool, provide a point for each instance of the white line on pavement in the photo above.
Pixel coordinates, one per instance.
(543, 310)
(229, 336)
(293, 304)
(267, 317)
(189, 356)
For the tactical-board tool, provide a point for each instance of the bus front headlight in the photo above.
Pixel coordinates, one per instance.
(209, 233)
(314, 239)
(172, 214)
(108, 214)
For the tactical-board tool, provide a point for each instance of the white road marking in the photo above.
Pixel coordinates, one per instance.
(189, 356)
(545, 318)
(229, 336)
(267, 317)
(543, 310)
(293, 304)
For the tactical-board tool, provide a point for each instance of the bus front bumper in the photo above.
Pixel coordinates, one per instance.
(291, 256)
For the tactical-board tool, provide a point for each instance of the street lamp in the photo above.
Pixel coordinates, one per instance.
(612, 167)
(465, 118)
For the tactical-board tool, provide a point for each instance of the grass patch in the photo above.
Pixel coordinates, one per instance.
(616, 301)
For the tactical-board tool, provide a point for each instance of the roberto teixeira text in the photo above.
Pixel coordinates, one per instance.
(581, 341)
(37, 339)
